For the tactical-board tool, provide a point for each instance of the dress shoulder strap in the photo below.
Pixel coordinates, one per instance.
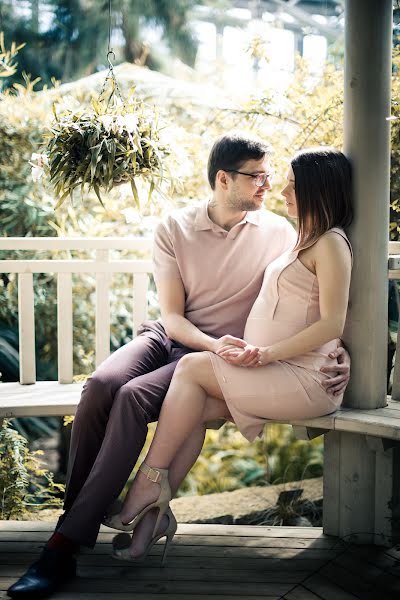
(341, 232)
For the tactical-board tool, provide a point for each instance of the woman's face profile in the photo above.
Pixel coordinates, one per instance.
(289, 194)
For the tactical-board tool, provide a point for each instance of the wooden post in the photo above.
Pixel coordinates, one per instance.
(368, 44)
(355, 478)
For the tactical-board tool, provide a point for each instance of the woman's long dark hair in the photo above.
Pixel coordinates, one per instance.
(323, 192)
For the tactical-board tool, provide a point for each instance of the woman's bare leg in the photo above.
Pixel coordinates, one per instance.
(194, 397)
(178, 470)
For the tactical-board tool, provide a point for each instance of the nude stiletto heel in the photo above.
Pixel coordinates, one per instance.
(122, 542)
(156, 475)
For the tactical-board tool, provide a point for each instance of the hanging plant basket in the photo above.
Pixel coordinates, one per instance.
(108, 144)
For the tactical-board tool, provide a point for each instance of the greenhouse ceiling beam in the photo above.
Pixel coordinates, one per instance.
(302, 20)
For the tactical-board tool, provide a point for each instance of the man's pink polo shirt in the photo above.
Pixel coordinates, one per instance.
(222, 271)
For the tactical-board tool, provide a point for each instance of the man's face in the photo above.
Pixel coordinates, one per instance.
(242, 192)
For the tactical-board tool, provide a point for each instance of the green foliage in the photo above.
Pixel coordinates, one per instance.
(228, 462)
(8, 65)
(24, 483)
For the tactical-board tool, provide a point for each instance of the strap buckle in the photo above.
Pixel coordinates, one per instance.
(152, 474)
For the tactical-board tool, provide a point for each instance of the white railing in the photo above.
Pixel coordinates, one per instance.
(101, 266)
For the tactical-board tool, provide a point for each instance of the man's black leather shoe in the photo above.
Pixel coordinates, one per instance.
(45, 576)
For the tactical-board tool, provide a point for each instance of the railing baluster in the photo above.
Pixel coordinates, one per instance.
(64, 327)
(140, 284)
(102, 310)
(26, 318)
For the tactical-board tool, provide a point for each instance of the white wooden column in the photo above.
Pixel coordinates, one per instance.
(358, 474)
(64, 327)
(102, 310)
(26, 320)
(140, 286)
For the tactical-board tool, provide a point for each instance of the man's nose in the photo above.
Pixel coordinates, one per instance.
(266, 185)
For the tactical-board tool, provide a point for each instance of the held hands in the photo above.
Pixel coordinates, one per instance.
(337, 385)
(237, 352)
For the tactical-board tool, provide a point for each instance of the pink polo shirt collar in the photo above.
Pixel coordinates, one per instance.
(203, 221)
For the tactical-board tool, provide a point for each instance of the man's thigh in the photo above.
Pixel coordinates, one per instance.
(146, 391)
(147, 352)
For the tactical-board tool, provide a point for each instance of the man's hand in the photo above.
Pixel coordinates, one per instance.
(337, 385)
(244, 355)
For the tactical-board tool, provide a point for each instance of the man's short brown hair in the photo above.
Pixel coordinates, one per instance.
(231, 150)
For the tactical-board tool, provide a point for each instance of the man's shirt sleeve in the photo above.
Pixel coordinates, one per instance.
(164, 260)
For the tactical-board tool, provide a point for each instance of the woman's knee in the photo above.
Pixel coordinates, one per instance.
(191, 364)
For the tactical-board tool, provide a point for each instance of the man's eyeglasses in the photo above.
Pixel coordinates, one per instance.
(258, 178)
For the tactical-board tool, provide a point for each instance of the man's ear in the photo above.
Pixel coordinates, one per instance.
(222, 179)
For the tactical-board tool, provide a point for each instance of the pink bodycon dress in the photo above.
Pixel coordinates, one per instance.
(286, 389)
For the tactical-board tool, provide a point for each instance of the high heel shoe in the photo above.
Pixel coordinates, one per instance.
(157, 476)
(122, 542)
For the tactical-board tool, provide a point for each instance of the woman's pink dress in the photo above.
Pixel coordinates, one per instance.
(286, 389)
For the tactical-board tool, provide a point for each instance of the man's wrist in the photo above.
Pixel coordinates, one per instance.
(212, 346)
(266, 355)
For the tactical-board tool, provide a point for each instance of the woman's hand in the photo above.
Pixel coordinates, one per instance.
(246, 356)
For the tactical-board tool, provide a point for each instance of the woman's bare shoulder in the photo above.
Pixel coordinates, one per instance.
(332, 244)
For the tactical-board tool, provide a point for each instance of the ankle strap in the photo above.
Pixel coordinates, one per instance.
(152, 474)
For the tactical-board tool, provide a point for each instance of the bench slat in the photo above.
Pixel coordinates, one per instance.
(50, 398)
(44, 398)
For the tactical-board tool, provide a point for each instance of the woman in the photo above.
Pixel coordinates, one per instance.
(292, 328)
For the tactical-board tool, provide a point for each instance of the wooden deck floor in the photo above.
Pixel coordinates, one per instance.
(217, 562)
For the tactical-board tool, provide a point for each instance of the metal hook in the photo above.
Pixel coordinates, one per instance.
(108, 58)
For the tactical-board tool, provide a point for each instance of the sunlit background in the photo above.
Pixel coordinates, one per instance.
(239, 46)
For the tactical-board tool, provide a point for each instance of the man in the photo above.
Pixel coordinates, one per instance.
(209, 262)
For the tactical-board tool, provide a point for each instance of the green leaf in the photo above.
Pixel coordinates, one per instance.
(96, 157)
(97, 192)
(61, 200)
(135, 194)
(151, 190)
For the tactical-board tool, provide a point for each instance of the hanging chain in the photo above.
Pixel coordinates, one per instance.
(115, 91)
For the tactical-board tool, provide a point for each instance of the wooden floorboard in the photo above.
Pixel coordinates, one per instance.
(216, 561)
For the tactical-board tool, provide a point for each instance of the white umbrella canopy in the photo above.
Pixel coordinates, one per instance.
(148, 84)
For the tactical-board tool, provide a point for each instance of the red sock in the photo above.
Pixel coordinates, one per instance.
(61, 542)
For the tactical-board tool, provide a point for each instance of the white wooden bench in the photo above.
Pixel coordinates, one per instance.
(378, 429)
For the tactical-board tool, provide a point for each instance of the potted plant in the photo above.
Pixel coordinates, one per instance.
(100, 147)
